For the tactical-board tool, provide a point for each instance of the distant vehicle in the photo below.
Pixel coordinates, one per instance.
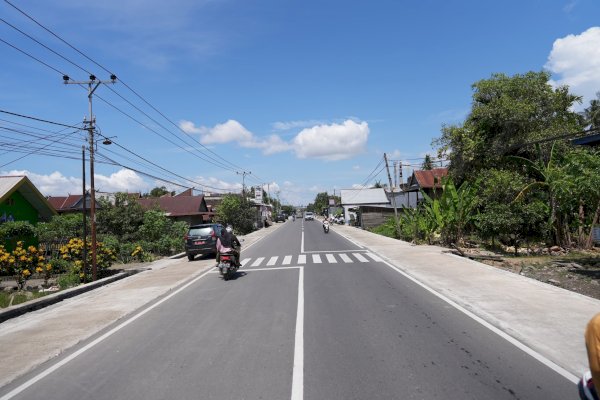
(281, 217)
(309, 216)
(202, 239)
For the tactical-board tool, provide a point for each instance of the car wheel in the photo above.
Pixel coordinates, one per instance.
(190, 257)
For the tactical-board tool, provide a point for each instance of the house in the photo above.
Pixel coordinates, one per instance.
(71, 203)
(20, 200)
(363, 206)
(182, 207)
(428, 181)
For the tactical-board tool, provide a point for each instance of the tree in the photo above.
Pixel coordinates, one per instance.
(123, 219)
(159, 191)
(427, 163)
(591, 115)
(238, 213)
(506, 113)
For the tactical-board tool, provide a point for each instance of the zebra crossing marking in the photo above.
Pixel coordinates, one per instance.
(272, 261)
(244, 262)
(360, 257)
(345, 258)
(331, 259)
(302, 259)
(287, 260)
(375, 257)
(258, 261)
(316, 259)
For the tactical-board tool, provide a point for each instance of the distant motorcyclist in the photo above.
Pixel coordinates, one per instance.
(325, 225)
(229, 243)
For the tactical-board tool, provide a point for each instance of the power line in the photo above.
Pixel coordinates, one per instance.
(31, 56)
(39, 119)
(110, 72)
(32, 152)
(44, 46)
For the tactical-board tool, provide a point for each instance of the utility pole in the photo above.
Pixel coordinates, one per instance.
(92, 84)
(84, 250)
(244, 173)
(387, 168)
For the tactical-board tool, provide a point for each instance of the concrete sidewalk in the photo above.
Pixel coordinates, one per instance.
(38, 336)
(545, 318)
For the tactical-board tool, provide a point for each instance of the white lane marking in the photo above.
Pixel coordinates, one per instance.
(244, 262)
(345, 258)
(302, 240)
(522, 346)
(316, 259)
(287, 260)
(257, 262)
(269, 269)
(298, 371)
(272, 261)
(331, 251)
(375, 257)
(359, 257)
(330, 258)
(85, 348)
(302, 259)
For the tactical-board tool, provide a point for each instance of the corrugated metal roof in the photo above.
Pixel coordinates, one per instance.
(177, 205)
(10, 184)
(431, 178)
(364, 196)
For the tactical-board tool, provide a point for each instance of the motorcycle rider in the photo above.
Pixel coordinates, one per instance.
(590, 382)
(325, 225)
(229, 243)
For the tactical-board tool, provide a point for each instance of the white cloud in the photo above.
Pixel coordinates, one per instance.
(230, 131)
(356, 167)
(286, 126)
(218, 184)
(56, 184)
(576, 60)
(326, 142)
(332, 142)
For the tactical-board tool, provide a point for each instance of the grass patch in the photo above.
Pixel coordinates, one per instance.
(18, 297)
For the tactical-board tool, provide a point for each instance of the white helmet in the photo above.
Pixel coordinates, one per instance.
(229, 229)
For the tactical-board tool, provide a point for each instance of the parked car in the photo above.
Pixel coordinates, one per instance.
(281, 217)
(309, 216)
(202, 239)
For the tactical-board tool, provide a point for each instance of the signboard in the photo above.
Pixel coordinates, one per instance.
(332, 201)
(258, 194)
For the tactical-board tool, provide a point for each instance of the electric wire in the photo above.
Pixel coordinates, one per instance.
(109, 72)
(31, 56)
(44, 46)
(32, 152)
(40, 120)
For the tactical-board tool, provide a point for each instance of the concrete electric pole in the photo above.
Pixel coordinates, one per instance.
(92, 85)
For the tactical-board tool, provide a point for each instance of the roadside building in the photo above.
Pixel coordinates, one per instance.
(182, 207)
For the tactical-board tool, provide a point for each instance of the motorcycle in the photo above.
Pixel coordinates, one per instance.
(227, 265)
(326, 227)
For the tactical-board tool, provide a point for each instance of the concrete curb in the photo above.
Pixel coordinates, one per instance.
(32, 305)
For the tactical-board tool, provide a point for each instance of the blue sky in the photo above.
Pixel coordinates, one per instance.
(305, 95)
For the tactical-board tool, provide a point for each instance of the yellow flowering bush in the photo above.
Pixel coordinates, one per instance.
(73, 252)
(21, 263)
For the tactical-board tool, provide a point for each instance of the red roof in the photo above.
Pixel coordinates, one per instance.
(177, 205)
(429, 179)
(64, 202)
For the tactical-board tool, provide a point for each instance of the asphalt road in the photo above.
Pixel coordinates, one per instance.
(309, 316)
